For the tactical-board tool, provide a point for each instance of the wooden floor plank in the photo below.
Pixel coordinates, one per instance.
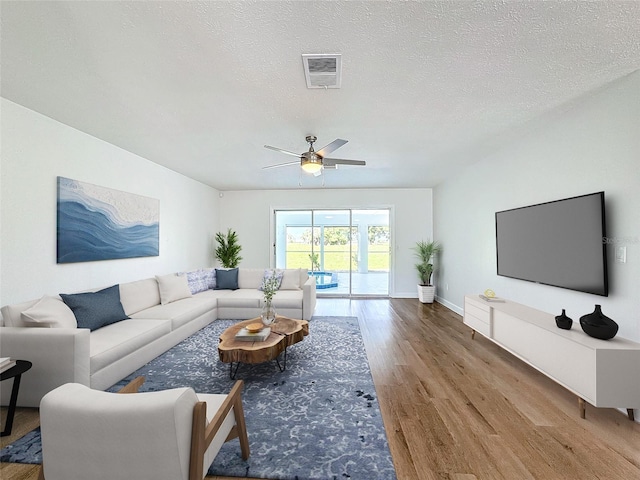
(461, 409)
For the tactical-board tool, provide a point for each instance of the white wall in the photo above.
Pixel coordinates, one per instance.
(249, 214)
(35, 150)
(591, 145)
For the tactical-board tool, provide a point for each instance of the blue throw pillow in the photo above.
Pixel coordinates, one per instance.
(96, 309)
(227, 279)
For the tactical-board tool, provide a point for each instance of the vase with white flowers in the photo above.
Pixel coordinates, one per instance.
(269, 288)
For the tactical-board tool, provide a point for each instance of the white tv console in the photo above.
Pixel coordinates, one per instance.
(605, 373)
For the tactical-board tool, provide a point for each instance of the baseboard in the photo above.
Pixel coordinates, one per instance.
(404, 295)
(451, 306)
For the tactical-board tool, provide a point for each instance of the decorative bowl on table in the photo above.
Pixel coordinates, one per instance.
(254, 327)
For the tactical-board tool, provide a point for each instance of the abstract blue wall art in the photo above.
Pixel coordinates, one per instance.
(99, 223)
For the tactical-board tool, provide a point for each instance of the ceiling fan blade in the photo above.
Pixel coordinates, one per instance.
(281, 165)
(281, 150)
(332, 162)
(327, 149)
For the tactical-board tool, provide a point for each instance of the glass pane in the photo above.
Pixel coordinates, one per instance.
(334, 251)
(371, 276)
(293, 239)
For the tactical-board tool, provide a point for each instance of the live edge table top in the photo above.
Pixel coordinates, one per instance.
(284, 333)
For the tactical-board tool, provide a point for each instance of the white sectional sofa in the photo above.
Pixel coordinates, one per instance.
(159, 318)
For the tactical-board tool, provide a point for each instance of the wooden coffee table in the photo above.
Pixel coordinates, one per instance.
(284, 333)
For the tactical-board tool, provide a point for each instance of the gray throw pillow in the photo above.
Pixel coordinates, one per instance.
(227, 279)
(96, 309)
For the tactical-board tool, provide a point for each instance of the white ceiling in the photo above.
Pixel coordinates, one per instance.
(200, 87)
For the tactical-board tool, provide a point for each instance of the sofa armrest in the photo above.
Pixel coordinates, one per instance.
(58, 356)
(308, 298)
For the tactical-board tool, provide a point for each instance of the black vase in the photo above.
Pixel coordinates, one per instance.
(564, 322)
(598, 325)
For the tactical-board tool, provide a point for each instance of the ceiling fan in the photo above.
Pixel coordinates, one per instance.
(314, 162)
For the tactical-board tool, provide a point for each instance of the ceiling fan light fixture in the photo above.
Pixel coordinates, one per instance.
(311, 166)
(313, 162)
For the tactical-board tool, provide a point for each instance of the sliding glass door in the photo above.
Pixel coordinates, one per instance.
(373, 254)
(346, 250)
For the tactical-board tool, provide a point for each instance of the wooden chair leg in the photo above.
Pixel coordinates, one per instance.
(241, 426)
(41, 474)
(132, 386)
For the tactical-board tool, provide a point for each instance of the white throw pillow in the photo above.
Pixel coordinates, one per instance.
(173, 287)
(49, 312)
(291, 279)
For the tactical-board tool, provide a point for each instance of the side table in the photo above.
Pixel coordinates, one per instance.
(14, 372)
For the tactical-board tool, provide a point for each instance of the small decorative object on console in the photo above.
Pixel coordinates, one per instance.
(598, 325)
(490, 296)
(564, 322)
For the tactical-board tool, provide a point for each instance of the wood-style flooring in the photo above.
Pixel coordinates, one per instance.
(462, 409)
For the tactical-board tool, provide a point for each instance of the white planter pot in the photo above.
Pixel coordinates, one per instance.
(426, 294)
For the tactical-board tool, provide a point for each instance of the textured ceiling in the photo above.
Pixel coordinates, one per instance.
(200, 87)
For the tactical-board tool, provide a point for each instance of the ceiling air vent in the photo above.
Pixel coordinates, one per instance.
(322, 71)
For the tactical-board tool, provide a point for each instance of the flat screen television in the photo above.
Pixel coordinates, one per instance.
(559, 243)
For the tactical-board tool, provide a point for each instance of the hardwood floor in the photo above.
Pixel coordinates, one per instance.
(462, 409)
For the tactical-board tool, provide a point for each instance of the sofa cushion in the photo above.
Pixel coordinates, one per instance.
(179, 312)
(227, 279)
(50, 312)
(94, 310)
(214, 293)
(118, 340)
(172, 287)
(138, 295)
(243, 298)
(287, 299)
(291, 279)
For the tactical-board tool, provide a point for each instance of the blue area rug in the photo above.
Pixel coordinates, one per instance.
(319, 419)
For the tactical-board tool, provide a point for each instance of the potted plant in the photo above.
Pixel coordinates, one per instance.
(315, 262)
(228, 249)
(425, 251)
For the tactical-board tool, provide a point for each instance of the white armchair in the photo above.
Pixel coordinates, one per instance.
(173, 434)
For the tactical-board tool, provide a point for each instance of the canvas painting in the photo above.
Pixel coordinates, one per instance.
(99, 223)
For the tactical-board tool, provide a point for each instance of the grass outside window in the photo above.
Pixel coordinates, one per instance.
(336, 257)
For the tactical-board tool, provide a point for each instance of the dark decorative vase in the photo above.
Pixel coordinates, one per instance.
(598, 325)
(564, 322)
